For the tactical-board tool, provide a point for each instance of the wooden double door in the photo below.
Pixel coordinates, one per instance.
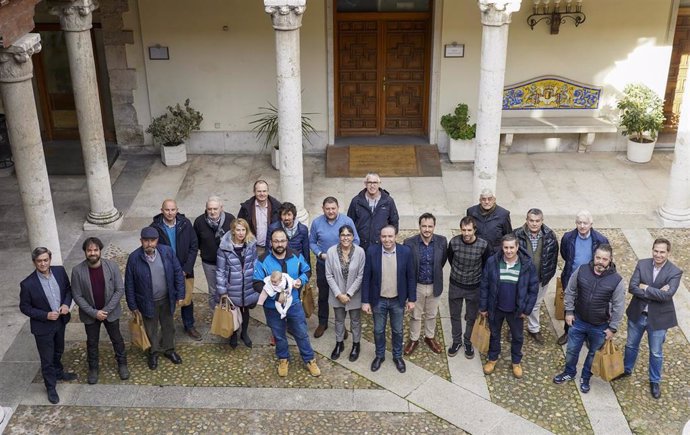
(382, 74)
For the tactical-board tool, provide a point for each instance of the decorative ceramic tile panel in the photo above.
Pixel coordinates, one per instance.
(550, 92)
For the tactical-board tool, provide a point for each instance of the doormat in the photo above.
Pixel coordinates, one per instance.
(386, 160)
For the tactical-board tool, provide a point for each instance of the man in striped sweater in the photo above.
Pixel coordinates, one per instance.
(508, 291)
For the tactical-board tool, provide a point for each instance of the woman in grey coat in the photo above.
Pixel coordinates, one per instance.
(344, 272)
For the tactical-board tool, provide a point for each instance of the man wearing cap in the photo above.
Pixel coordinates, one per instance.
(154, 285)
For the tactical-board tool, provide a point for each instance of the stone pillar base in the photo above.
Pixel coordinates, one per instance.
(303, 216)
(99, 223)
(672, 218)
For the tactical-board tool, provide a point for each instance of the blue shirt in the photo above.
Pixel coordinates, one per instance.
(583, 251)
(51, 289)
(170, 231)
(324, 234)
(426, 262)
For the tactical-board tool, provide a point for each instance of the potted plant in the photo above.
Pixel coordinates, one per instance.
(642, 116)
(460, 133)
(172, 129)
(265, 126)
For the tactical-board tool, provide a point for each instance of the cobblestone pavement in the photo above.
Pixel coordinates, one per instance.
(214, 365)
(135, 421)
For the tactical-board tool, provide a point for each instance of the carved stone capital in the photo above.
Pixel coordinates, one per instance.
(497, 12)
(15, 60)
(286, 16)
(75, 15)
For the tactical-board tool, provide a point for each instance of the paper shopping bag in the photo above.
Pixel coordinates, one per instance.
(138, 333)
(222, 323)
(608, 361)
(307, 297)
(560, 300)
(481, 334)
(188, 291)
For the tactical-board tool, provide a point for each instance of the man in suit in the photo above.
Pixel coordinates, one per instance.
(261, 210)
(45, 296)
(429, 253)
(653, 284)
(97, 289)
(388, 288)
(154, 285)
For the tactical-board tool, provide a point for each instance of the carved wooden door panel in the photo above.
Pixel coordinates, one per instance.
(358, 78)
(678, 70)
(405, 77)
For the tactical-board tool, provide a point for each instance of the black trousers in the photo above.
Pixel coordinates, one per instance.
(93, 332)
(324, 291)
(50, 349)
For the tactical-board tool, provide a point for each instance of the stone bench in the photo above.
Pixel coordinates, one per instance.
(548, 93)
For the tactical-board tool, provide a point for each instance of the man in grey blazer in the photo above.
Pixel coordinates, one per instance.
(653, 284)
(429, 255)
(97, 289)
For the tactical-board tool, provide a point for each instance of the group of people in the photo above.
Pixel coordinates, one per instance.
(262, 257)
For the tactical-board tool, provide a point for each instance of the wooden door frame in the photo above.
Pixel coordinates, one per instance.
(383, 16)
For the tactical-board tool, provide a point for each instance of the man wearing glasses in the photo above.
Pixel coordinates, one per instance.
(372, 209)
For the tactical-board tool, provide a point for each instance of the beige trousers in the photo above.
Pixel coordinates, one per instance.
(427, 306)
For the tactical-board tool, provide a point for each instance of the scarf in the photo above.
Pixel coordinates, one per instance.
(217, 226)
(290, 232)
(487, 212)
(345, 261)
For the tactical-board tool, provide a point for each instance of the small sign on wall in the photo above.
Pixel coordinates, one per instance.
(158, 52)
(454, 50)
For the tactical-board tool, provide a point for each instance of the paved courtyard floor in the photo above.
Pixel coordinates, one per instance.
(222, 390)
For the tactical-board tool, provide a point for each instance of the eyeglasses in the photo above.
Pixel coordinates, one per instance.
(346, 235)
(372, 182)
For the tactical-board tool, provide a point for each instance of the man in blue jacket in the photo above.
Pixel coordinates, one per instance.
(508, 291)
(281, 258)
(176, 231)
(371, 210)
(577, 248)
(45, 296)
(154, 285)
(297, 232)
(389, 287)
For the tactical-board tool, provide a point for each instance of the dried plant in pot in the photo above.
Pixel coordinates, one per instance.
(172, 129)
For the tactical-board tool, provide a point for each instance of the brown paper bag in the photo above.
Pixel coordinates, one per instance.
(223, 324)
(481, 334)
(608, 362)
(560, 300)
(188, 291)
(307, 297)
(138, 333)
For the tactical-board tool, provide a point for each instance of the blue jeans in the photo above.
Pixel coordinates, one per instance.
(187, 314)
(515, 325)
(384, 308)
(632, 347)
(297, 323)
(577, 334)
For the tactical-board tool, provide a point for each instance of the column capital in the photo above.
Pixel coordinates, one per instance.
(286, 14)
(75, 15)
(497, 12)
(15, 60)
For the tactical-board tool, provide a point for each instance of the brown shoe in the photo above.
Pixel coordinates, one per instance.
(410, 347)
(489, 367)
(536, 336)
(320, 330)
(517, 371)
(193, 333)
(433, 345)
(313, 368)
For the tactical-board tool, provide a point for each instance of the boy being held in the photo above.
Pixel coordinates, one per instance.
(278, 283)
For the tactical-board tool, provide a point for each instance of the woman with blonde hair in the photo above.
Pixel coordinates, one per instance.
(235, 271)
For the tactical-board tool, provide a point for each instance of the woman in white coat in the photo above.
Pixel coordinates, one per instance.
(344, 272)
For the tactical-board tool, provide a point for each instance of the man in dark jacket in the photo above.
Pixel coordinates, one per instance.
(209, 228)
(508, 291)
(577, 248)
(592, 289)
(493, 221)
(542, 246)
(429, 255)
(176, 231)
(371, 210)
(154, 285)
(653, 284)
(261, 210)
(467, 255)
(297, 232)
(45, 296)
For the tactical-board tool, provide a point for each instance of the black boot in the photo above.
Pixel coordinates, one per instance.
(92, 377)
(339, 347)
(354, 354)
(233, 340)
(244, 336)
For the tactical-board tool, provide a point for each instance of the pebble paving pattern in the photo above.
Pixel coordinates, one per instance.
(135, 421)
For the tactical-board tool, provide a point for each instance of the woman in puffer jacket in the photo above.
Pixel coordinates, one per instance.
(235, 271)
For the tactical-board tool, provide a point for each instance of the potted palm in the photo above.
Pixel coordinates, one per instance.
(265, 126)
(461, 134)
(642, 117)
(172, 129)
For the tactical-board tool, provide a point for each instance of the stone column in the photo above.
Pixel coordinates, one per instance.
(24, 133)
(675, 212)
(495, 16)
(286, 16)
(75, 20)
